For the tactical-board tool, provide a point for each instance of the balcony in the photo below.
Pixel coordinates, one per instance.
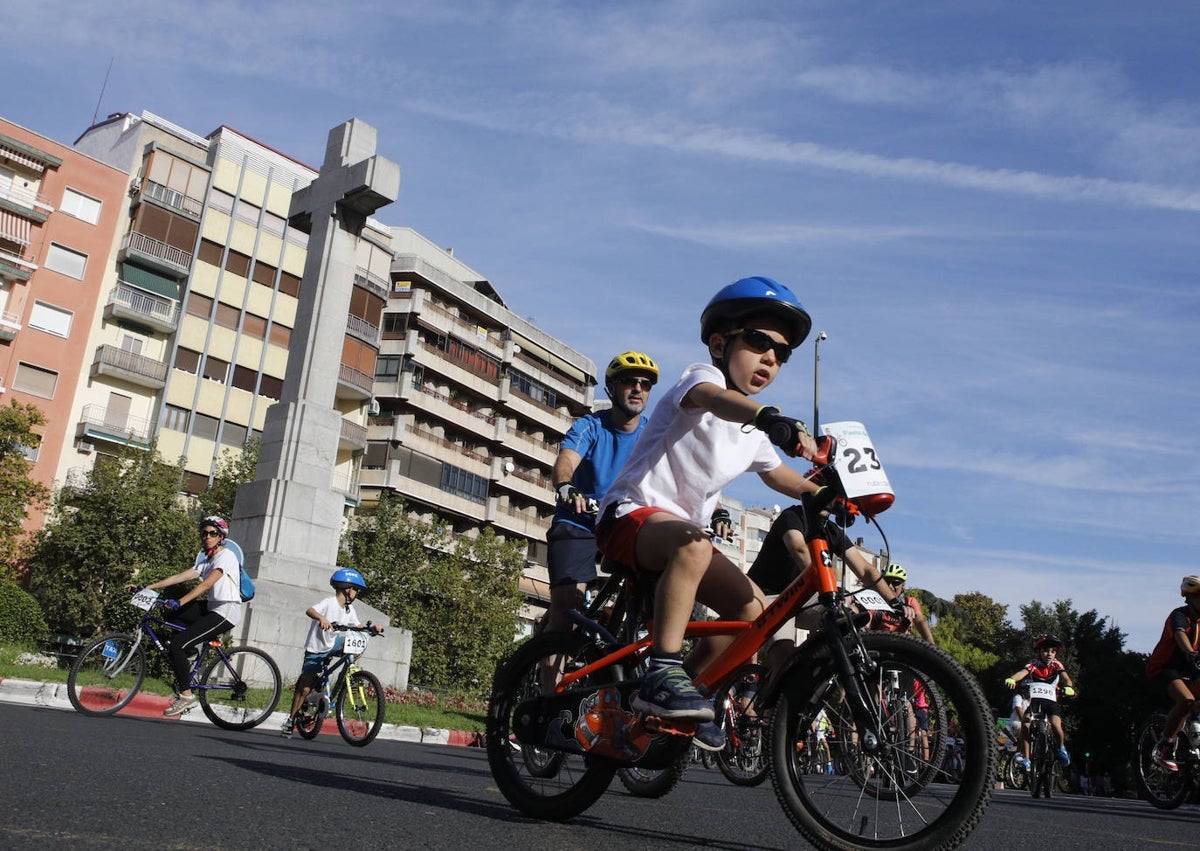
(143, 308)
(158, 254)
(438, 406)
(128, 366)
(99, 423)
(414, 490)
(363, 330)
(352, 437)
(170, 198)
(10, 324)
(353, 384)
(371, 283)
(527, 524)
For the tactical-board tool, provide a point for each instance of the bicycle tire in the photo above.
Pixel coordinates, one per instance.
(1164, 789)
(1042, 775)
(361, 706)
(101, 684)
(833, 811)
(647, 783)
(577, 781)
(743, 760)
(243, 693)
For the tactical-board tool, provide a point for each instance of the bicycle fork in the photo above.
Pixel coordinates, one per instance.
(850, 674)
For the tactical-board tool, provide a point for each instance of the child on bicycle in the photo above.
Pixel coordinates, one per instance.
(1175, 665)
(1044, 669)
(321, 643)
(705, 432)
(204, 619)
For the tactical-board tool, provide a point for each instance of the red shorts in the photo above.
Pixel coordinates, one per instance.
(618, 539)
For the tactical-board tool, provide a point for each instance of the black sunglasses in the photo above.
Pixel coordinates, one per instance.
(894, 582)
(760, 342)
(209, 533)
(640, 383)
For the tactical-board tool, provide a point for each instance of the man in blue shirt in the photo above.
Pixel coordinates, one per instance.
(591, 454)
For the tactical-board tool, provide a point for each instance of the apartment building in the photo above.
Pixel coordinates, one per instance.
(192, 346)
(59, 213)
(471, 402)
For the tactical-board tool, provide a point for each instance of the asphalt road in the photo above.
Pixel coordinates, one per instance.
(85, 783)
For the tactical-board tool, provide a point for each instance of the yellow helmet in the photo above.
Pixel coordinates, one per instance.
(895, 571)
(631, 362)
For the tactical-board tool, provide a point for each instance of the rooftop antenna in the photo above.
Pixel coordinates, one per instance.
(103, 86)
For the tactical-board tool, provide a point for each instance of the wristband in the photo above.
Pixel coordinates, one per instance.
(763, 423)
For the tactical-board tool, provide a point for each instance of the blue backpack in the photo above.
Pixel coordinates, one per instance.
(246, 587)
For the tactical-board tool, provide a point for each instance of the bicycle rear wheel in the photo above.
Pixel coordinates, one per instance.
(1163, 788)
(743, 760)
(308, 725)
(559, 783)
(240, 689)
(654, 783)
(106, 675)
(882, 807)
(361, 706)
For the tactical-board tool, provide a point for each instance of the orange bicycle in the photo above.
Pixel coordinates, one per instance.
(887, 793)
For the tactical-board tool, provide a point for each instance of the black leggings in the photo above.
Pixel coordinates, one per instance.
(202, 625)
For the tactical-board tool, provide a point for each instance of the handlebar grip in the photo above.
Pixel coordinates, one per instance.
(826, 450)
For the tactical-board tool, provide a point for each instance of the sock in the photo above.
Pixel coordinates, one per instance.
(665, 660)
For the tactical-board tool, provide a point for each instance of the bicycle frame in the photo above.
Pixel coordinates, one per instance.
(146, 626)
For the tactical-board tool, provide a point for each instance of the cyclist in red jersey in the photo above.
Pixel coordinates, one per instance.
(1175, 664)
(908, 615)
(1044, 669)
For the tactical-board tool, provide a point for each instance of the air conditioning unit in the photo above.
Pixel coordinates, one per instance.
(373, 407)
(86, 447)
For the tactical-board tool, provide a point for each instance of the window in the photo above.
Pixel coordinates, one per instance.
(263, 273)
(464, 484)
(254, 326)
(387, 367)
(80, 206)
(205, 426)
(52, 320)
(281, 335)
(31, 453)
(187, 360)
(272, 223)
(199, 305)
(65, 261)
(237, 263)
(175, 418)
(210, 252)
(35, 380)
(227, 315)
(394, 325)
(289, 284)
(244, 378)
(219, 200)
(216, 369)
(233, 434)
(246, 211)
(271, 387)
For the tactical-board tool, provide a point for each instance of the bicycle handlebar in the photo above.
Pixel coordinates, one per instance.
(370, 627)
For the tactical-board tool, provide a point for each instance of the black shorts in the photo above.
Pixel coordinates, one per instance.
(570, 554)
(1049, 708)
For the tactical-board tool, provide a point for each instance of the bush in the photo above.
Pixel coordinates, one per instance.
(20, 615)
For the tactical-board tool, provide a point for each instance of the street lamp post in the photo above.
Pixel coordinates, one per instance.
(821, 335)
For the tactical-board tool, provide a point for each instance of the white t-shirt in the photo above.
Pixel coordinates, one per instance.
(225, 596)
(320, 640)
(686, 456)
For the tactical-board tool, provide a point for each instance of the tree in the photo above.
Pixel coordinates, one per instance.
(123, 524)
(233, 469)
(460, 602)
(18, 491)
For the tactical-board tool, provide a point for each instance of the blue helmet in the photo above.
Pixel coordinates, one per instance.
(347, 577)
(752, 296)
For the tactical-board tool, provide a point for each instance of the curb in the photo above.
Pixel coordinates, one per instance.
(54, 696)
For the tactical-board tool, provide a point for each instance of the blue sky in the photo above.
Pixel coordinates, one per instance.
(992, 209)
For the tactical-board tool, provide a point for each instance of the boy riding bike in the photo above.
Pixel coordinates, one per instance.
(1175, 665)
(700, 437)
(1044, 669)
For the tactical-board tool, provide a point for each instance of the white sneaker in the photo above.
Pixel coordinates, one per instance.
(181, 705)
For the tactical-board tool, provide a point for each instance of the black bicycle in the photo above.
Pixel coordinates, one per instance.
(1163, 788)
(238, 687)
(354, 696)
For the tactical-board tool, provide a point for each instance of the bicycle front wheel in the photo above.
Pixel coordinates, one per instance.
(1043, 769)
(559, 783)
(876, 803)
(239, 688)
(361, 705)
(107, 674)
(743, 760)
(1163, 788)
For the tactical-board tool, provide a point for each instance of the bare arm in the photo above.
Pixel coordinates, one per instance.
(214, 576)
(186, 575)
(318, 617)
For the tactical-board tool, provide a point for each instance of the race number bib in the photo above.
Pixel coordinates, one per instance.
(144, 599)
(859, 467)
(1043, 691)
(873, 601)
(355, 644)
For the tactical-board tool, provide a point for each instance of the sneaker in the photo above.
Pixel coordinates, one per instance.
(1163, 754)
(180, 705)
(709, 736)
(288, 727)
(668, 693)
(1064, 758)
(1023, 762)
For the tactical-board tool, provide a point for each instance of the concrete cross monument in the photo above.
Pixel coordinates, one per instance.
(289, 519)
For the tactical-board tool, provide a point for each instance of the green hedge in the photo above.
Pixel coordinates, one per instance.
(20, 615)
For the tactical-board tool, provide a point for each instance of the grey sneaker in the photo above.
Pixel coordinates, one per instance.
(709, 736)
(288, 728)
(669, 693)
(180, 705)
